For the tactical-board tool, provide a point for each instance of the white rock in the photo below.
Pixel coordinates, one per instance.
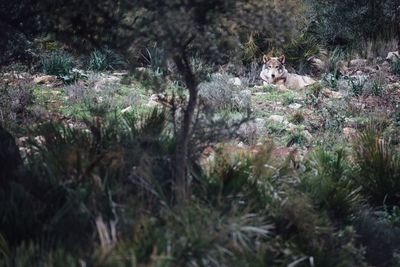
(349, 133)
(278, 119)
(317, 63)
(308, 136)
(152, 104)
(392, 56)
(291, 127)
(295, 106)
(235, 81)
(332, 94)
(358, 62)
(45, 79)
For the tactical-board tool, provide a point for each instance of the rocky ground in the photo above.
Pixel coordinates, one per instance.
(329, 113)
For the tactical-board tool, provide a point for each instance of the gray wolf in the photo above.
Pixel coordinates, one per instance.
(274, 72)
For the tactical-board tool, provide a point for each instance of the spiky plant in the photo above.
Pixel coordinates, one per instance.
(57, 63)
(329, 185)
(378, 167)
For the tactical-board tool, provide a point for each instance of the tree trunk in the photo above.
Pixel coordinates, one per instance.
(181, 186)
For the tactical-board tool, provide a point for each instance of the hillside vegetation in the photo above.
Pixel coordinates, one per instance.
(139, 133)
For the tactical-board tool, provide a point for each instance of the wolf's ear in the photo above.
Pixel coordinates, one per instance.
(282, 59)
(266, 58)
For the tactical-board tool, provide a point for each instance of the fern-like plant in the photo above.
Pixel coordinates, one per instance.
(378, 168)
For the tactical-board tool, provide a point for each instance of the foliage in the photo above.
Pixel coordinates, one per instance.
(221, 94)
(356, 85)
(300, 52)
(378, 168)
(297, 117)
(296, 138)
(15, 103)
(345, 23)
(395, 66)
(379, 236)
(57, 63)
(330, 186)
(105, 59)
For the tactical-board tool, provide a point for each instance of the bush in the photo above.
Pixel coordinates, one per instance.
(106, 59)
(395, 66)
(15, 103)
(356, 85)
(57, 63)
(328, 183)
(379, 237)
(378, 168)
(300, 52)
(221, 94)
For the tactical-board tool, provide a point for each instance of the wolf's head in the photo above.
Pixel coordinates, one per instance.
(273, 69)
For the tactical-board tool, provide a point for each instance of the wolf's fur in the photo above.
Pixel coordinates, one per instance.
(274, 72)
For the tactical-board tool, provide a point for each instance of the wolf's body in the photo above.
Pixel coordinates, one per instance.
(274, 72)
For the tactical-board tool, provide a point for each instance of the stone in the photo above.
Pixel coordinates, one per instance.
(295, 106)
(358, 62)
(45, 79)
(102, 82)
(349, 133)
(278, 119)
(318, 63)
(235, 81)
(393, 56)
(308, 136)
(332, 94)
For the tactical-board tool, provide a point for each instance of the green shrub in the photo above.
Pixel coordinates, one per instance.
(380, 238)
(57, 63)
(299, 52)
(220, 94)
(106, 59)
(331, 81)
(334, 61)
(356, 85)
(395, 66)
(297, 117)
(378, 88)
(378, 168)
(16, 103)
(297, 138)
(328, 183)
(155, 58)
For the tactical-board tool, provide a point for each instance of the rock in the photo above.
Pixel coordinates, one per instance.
(235, 81)
(332, 94)
(295, 106)
(246, 92)
(393, 56)
(349, 133)
(358, 62)
(253, 129)
(154, 100)
(318, 63)
(308, 136)
(349, 122)
(291, 127)
(278, 119)
(45, 79)
(260, 93)
(104, 82)
(120, 73)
